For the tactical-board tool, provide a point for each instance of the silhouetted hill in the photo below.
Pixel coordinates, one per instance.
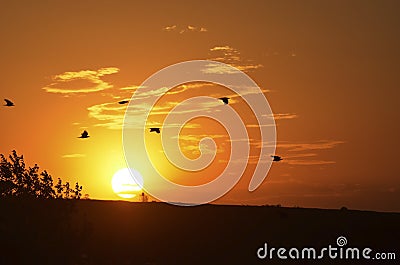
(110, 232)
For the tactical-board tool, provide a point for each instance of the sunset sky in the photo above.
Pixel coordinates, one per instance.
(329, 70)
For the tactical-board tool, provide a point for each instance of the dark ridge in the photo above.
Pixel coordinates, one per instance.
(116, 232)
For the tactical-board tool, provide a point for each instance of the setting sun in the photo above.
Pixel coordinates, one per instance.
(124, 185)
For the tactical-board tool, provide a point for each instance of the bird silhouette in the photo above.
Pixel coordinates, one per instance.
(9, 103)
(157, 130)
(225, 100)
(84, 135)
(123, 102)
(276, 158)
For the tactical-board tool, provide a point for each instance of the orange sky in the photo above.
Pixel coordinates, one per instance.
(329, 71)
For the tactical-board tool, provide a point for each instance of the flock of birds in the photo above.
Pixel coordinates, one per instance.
(85, 134)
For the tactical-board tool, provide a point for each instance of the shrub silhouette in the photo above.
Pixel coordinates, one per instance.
(38, 220)
(77, 191)
(18, 180)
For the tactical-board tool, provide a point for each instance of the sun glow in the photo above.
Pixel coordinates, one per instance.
(124, 184)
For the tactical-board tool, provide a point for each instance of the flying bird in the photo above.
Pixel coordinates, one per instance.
(276, 158)
(9, 103)
(123, 102)
(84, 135)
(225, 100)
(157, 130)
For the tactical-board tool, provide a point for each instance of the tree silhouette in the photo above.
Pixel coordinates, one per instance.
(77, 191)
(67, 190)
(17, 180)
(7, 184)
(34, 224)
(59, 189)
(46, 188)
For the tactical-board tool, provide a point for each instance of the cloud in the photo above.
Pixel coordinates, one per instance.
(284, 116)
(302, 159)
(205, 149)
(253, 159)
(73, 156)
(84, 81)
(195, 138)
(221, 48)
(301, 155)
(110, 115)
(244, 90)
(191, 143)
(307, 162)
(277, 116)
(214, 68)
(301, 147)
(319, 145)
(155, 92)
(169, 28)
(184, 29)
(231, 56)
(132, 87)
(297, 158)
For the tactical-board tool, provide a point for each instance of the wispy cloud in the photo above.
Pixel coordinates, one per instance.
(197, 137)
(205, 149)
(299, 147)
(276, 116)
(319, 145)
(295, 152)
(110, 115)
(130, 88)
(73, 156)
(84, 81)
(304, 162)
(169, 28)
(284, 116)
(184, 29)
(214, 68)
(254, 159)
(231, 56)
(191, 143)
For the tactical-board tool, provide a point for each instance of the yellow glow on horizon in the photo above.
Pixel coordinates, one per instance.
(124, 185)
